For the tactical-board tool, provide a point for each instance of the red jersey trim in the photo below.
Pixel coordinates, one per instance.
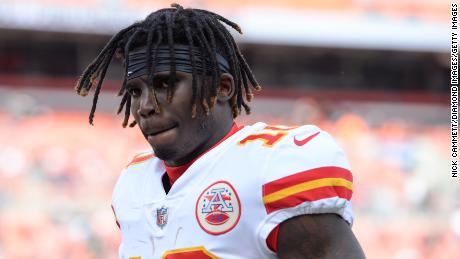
(310, 185)
(310, 195)
(272, 239)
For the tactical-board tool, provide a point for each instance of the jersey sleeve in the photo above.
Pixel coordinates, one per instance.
(307, 173)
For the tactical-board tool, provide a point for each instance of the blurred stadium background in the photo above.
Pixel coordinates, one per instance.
(374, 73)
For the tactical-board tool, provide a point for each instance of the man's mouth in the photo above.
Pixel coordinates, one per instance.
(157, 131)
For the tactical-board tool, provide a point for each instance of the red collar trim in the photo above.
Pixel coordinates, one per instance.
(174, 172)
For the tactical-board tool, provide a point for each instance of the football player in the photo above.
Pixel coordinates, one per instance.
(210, 188)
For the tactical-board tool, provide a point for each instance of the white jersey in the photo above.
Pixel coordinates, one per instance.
(228, 201)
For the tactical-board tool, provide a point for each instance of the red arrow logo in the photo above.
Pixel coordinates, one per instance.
(305, 140)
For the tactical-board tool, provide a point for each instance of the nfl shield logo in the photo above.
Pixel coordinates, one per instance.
(162, 217)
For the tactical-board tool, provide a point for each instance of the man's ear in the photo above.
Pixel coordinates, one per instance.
(226, 87)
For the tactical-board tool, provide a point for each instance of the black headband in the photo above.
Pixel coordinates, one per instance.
(137, 65)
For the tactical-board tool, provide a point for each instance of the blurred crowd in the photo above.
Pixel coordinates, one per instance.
(57, 172)
(57, 175)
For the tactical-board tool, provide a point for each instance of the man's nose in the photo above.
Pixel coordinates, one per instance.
(147, 106)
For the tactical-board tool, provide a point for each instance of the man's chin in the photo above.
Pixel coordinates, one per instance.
(165, 153)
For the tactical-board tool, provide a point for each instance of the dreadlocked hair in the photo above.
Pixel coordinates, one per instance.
(197, 28)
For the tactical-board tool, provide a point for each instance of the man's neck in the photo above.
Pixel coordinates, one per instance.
(221, 131)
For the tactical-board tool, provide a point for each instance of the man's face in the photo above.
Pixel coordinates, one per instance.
(172, 132)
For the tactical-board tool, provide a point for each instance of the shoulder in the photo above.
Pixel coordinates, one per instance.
(281, 137)
(284, 150)
(141, 158)
(273, 136)
(132, 176)
(135, 169)
(306, 152)
(308, 169)
(299, 148)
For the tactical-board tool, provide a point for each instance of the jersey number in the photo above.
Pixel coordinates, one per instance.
(198, 252)
(269, 136)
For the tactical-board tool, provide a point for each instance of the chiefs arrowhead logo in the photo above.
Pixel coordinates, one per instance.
(218, 208)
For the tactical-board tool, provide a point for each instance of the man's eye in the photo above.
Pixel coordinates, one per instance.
(165, 83)
(134, 92)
